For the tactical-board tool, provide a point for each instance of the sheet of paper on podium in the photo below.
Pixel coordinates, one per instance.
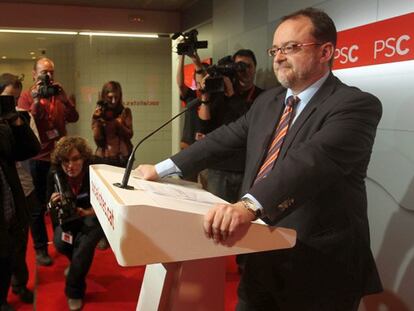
(162, 221)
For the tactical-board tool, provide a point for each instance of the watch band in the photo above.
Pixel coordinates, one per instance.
(251, 207)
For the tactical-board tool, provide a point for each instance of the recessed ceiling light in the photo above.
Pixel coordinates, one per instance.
(119, 34)
(39, 31)
(32, 53)
(4, 57)
(33, 57)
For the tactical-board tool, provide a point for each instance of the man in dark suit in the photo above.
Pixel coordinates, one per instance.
(308, 147)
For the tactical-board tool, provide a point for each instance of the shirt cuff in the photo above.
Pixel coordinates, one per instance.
(167, 168)
(256, 203)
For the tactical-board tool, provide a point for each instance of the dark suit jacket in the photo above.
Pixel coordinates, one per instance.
(317, 184)
(17, 143)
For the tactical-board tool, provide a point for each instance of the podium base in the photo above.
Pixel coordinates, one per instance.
(194, 285)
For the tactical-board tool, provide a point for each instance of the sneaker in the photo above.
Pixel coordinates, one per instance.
(6, 307)
(24, 294)
(103, 244)
(43, 258)
(75, 304)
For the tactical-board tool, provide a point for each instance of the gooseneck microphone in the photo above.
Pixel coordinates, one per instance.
(124, 184)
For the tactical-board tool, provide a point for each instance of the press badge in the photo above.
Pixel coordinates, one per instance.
(67, 237)
(52, 134)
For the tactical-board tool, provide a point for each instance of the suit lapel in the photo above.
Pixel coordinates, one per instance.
(321, 95)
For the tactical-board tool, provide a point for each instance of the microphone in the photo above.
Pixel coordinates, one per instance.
(124, 184)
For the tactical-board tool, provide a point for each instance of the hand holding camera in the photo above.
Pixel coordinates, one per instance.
(45, 87)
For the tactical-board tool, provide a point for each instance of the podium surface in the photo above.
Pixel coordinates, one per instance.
(160, 224)
(153, 225)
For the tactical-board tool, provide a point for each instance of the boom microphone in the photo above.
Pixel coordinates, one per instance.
(124, 184)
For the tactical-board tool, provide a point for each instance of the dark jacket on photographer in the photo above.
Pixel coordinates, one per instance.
(224, 110)
(17, 143)
(85, 231)
(112, 132)
(51, 115)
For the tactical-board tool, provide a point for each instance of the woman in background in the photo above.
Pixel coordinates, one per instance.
(112, 126)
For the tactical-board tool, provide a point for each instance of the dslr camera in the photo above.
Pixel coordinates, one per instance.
(7, 108)
(64, 211)
(190, 44)
(107, 113)
(46, 88)
(225, 67)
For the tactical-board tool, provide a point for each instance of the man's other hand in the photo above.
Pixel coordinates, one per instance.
(224, 220)
(147, 172)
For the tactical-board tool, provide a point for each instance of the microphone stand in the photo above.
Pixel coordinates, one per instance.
(124, 184)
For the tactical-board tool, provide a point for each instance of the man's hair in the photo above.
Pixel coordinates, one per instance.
(7, 79)
(246, 53)
(112, 87)
(41, 59)
(324, 29)
(65, 145)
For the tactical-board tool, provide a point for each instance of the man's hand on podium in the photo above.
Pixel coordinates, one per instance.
(223, 220)
(146, 171)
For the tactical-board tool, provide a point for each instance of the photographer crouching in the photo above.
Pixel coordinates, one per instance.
(51, 109)
(228, 93)
(77, 229)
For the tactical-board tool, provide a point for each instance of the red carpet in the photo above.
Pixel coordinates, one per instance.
(109, 286)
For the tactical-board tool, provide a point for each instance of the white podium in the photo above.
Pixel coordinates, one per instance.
(161, 225)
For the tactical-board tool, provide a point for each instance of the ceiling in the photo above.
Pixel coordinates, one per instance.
(19, 46)
(157, 5)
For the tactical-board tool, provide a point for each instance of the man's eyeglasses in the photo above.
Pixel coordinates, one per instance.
(290, 48)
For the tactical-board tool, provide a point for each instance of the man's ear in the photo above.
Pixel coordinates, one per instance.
(328, 51)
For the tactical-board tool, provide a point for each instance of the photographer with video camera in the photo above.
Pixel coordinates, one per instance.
(112, 126)
(78, 230)
(17, 143)
(51, 109)
(228, 93)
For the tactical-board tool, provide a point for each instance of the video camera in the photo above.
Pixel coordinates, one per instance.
(7, 108)
(65, 210)
(190, 44)
(46, 88)
(225, 67)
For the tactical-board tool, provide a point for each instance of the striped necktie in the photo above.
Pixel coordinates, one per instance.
(278, 137)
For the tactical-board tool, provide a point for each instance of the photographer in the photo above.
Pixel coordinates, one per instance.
(217, 109)
(17, 143)
(51, 109)
(112, 126)
(78, 231)
(11, 85)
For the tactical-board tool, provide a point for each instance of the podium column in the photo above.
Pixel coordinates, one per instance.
(193, 285)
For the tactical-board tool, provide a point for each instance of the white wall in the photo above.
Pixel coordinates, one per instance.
(142, 66)
(390, 182)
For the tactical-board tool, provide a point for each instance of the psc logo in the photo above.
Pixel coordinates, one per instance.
(346, 54)
(391, 46)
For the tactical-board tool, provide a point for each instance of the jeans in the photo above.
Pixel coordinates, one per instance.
(37, 203)
(80, 253)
